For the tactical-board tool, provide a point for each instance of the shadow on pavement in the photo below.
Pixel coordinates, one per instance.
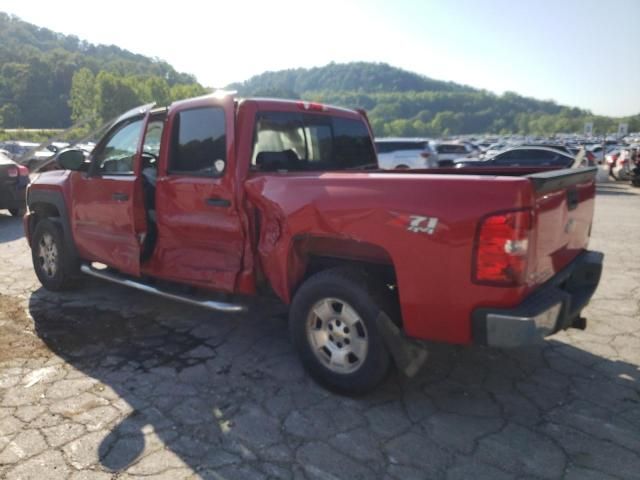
(621, 188)
(224, 392)
(10, 227)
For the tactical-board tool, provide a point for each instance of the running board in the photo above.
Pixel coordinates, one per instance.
(115, 278)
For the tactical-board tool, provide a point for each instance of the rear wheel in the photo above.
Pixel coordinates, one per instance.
(54, 266)
(333, 325)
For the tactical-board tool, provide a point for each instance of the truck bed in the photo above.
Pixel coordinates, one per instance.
(372, 212)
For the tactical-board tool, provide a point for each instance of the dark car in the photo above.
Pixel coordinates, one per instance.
(14, 179)
(524, 157)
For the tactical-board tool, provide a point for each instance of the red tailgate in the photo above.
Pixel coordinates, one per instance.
(564, 206)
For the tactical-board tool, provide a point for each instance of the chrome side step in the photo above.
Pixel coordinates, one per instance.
(121, 280)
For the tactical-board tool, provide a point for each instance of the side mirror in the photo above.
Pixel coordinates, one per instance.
(72, 159)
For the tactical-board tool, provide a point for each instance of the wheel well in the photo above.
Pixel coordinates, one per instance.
(313, 255)
(385, 273)
(41, 210)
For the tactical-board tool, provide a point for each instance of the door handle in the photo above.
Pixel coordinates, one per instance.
(218, 202)
(120, 196)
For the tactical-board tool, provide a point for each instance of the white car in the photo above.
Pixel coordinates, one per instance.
(621, 159)
(494, 149)
(448, 153)
(405, 153)
(599, 153)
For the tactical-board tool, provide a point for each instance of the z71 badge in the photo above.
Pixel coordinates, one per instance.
(419, 224)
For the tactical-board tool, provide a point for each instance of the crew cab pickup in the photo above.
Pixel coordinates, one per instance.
(243, 197)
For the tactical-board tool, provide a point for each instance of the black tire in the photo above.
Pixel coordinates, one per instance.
(58, 270)
(330, 288)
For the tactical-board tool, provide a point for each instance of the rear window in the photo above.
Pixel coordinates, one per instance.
(306, 142)
(388, 147)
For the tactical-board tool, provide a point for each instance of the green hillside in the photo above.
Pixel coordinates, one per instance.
(402, 103)
(355, 76)
(50, 80)
(37, 68)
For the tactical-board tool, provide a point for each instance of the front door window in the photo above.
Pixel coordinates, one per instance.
(118, 153)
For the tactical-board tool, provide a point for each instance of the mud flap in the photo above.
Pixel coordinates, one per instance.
(408, 355)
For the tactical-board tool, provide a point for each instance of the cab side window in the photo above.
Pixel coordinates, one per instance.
(288, 141)
(198, 142)
(118, 152)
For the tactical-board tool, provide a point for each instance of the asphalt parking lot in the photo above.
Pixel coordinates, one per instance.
(110, 383)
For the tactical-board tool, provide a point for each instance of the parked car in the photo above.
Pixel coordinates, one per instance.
(14, 179)
(621, 159)
(524, 157)
(246, 197)
(18, 152)
(599, 152)
(494, 149)
(403, 153)
(449, 152)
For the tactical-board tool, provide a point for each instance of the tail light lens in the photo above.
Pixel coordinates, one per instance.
(312, 106)
(12, 172)
(501, 250)
(23, 171)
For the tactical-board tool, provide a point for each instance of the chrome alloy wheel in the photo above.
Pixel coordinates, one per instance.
(48, 255)
(337, 335)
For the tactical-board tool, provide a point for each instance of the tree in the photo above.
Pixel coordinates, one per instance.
(182, 91)
(83, 96)
(113, 96)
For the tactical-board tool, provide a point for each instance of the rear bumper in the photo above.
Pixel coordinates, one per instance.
(553, 307)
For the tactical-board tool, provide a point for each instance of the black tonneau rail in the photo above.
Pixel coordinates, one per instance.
(544, 179)
(545, 182)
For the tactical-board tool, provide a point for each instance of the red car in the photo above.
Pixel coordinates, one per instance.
(245, 197)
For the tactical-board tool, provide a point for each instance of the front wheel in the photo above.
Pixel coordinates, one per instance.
(54, 266)
(333, 325)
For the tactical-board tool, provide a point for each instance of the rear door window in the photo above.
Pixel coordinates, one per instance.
(198, 143)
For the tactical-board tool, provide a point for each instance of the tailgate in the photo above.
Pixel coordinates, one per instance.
(564, 206)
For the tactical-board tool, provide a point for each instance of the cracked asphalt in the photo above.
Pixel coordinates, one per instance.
(107, 383)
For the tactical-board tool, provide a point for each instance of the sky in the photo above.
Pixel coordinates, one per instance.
(583, 53)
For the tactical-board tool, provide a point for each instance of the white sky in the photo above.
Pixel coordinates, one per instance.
(576, 52)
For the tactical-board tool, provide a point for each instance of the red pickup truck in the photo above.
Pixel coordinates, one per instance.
(237, 198)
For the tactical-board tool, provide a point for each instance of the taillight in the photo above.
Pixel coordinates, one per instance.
(12, 171)
(312, 106)
(23, 171)
(501, 249)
